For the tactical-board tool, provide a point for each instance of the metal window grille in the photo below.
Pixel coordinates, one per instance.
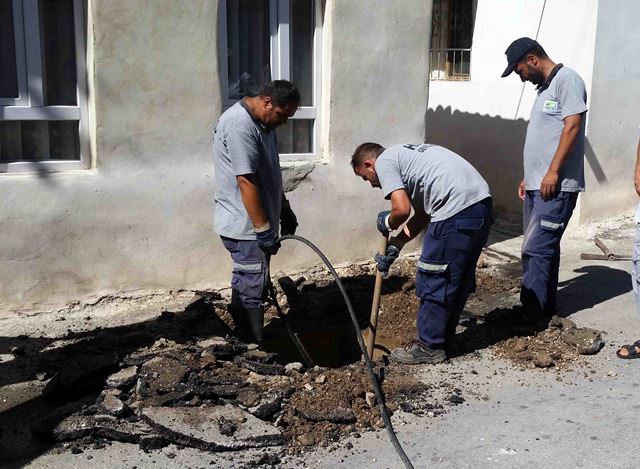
(451, 37)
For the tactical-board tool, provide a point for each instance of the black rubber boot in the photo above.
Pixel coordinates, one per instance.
(255, 324)
(235, 310)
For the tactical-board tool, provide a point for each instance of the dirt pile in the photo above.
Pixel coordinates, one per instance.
(219, 394)
(560, 346)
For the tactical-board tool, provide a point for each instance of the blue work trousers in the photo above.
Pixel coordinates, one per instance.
(544, 223)
(250, 275)
(635, 271)
(447, 270)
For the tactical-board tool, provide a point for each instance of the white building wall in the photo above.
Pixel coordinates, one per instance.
(482, 119)
(614, 117)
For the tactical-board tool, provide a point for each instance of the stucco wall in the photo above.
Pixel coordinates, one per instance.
(481, 118)
(142, 217)
(375, 62)
(614, 117)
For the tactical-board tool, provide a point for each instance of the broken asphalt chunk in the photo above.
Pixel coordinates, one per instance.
(260, 368)
(160, 375)
(123, 378)
(112, 405)
(222, 348)
(270, 403)
(105, 426)
(200, 428)
(587, 341)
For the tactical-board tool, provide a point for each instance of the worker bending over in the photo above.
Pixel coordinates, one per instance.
(451, 197)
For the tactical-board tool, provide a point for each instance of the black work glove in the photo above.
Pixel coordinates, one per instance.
(288, 221)
(384, 262)
(267, 241)
(381, 222)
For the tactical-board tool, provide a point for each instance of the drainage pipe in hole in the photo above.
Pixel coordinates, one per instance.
(369, 365)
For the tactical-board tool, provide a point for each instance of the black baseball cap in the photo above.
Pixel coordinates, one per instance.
(516, 51)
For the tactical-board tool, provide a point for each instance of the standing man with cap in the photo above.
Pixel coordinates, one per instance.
(553, 171)
(451, 197)
(250, 203)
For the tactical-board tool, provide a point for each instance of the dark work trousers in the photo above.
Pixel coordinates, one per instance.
(250, 275)
(543, 223)
(446, 273)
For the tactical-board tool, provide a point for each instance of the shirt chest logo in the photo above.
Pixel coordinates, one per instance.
(550, 106)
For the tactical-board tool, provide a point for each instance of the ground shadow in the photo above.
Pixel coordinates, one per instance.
(595, 284)
(75, 373)
(493, 145)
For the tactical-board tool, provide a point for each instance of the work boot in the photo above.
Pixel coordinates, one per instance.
(417, 352)
(254, 325)
(235, 309)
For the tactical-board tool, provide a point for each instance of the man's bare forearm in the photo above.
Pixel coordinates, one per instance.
(568, 137)
(412, 229)
(251, 200)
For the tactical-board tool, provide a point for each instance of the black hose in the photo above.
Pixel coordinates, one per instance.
(372, 376)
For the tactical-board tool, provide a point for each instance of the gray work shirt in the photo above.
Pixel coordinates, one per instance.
(242, 145)
(437, 180)
(565, 96)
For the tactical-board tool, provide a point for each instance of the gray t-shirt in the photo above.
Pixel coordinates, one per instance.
(242, 145)
(438, 181)
(565, 96)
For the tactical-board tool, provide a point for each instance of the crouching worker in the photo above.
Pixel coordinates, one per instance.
(249, 202)
(449, 195)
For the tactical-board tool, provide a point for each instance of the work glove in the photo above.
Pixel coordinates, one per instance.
(267, 241)
(288, 221)
(384, 262)
(382, 223)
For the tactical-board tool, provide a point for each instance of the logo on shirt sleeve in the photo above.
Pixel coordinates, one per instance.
(550, 106)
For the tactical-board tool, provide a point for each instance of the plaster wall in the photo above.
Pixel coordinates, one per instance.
(614, 120)
(141, 218)
(485, 119)
(374, 88)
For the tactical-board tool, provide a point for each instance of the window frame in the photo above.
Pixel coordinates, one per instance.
(280, 65)
(30, 103)
(436, 73)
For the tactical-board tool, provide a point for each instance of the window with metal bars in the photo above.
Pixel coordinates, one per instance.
(451, 38)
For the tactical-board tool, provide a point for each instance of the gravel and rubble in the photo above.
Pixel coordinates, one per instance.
(175, 393)
(183, 379)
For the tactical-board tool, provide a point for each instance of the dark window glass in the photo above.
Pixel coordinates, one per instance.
(296, 136)
(58, 52)
(8, 75)
(301, 48)
(39, 140)
(248, 46)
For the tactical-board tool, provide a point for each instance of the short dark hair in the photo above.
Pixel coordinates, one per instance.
(538, 51)
(281, 92)
(364, 152)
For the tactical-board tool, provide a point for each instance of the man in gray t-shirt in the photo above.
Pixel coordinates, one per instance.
(553, 170)
(249, 201)
(449, 195)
